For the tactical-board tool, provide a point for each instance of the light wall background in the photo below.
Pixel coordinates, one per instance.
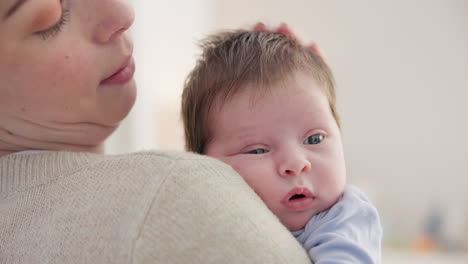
(402, 74)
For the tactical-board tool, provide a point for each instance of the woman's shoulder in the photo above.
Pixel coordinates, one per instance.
(204, 212)
(162, 156)
(163, 207)
(43, 167)
(165, 160)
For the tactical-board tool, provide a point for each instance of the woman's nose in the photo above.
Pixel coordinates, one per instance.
(293, 165)
(116, 18)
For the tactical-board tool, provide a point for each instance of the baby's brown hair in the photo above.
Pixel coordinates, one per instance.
(234, 59)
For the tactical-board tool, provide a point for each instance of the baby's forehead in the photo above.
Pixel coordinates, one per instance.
(254, 97)
(255, 92)
(276, 111)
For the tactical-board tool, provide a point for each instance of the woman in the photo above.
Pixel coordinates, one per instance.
(66, 82)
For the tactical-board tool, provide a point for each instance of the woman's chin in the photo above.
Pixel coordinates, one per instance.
(118, 109)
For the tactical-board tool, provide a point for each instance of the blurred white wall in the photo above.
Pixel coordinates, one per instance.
(165, 48)
(402, 75)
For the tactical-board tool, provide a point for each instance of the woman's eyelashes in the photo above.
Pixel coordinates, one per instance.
(57, 27)
(314, 139)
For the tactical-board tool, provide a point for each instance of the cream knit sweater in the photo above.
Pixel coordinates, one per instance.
(148, 207)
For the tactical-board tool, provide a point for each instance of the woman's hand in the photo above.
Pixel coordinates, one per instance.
(283, 28)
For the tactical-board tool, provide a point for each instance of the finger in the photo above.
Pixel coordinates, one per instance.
(259, 27)
(284, 29)
(315, 48)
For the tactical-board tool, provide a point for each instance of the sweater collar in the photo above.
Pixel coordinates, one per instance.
(23, 170)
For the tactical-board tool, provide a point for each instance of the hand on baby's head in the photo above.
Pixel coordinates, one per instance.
(283, 28)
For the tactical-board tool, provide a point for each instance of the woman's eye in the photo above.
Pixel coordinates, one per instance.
(258, 151)
(313, 139)
(57, 27)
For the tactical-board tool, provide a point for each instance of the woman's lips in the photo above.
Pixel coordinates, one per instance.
(303, 200)
(123, 75)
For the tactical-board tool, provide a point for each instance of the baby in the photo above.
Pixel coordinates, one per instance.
(264, 104)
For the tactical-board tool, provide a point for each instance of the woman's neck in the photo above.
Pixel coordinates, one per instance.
(7, 148)
(77, 138)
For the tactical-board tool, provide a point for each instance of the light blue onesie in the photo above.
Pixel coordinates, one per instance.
(348, 232)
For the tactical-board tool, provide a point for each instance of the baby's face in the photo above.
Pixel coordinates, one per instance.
(286, 145)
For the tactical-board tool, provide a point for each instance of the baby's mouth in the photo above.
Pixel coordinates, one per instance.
(298, 199)
(297, 196)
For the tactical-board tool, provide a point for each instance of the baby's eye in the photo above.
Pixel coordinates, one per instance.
(313, 139)
(258, 151)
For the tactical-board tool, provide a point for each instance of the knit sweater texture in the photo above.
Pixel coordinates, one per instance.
(146, 207)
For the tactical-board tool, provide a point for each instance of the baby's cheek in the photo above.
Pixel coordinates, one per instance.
(336, 190)
(251, 174)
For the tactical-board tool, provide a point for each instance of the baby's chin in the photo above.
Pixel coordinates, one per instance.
(297, 222)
